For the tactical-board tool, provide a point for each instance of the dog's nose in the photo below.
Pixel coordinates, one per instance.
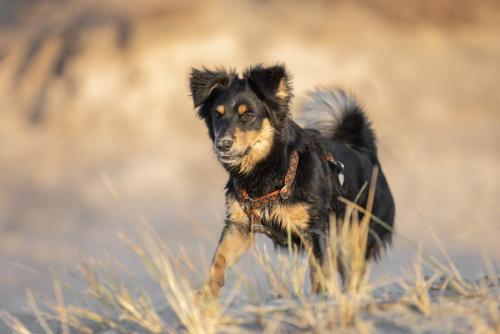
(224, 145)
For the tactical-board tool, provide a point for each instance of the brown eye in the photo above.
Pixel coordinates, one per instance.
(247, 117)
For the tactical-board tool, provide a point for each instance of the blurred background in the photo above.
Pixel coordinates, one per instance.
(97, 127)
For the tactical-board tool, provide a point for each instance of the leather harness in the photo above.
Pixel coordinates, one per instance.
(252, 205)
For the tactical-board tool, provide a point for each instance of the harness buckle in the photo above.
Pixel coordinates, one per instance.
(338, 166)
(285, 192)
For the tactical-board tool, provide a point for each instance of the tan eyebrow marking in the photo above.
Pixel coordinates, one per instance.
(220, 109)
(242, 108)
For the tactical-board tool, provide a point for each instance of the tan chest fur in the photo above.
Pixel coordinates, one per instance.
(289, 216)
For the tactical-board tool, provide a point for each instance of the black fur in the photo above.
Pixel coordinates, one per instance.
(267, 92)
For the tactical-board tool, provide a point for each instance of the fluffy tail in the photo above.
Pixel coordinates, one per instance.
(338, 116)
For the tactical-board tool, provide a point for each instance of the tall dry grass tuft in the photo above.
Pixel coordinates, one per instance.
(195, 315)
(347, 255)
(114, 304)
(417, 293)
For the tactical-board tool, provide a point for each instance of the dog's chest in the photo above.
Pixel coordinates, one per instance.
(294, 216)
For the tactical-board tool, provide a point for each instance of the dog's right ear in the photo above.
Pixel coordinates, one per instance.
(203, 82)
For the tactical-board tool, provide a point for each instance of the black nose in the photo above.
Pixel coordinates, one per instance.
(224, 145)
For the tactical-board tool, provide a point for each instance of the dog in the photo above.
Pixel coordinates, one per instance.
(286, 180)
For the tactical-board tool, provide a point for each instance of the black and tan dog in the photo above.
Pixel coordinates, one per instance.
(285, 180)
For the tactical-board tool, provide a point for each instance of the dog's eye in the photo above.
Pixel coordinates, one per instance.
(218, 115)
(247, 117)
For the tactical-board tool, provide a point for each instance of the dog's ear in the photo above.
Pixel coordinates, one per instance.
(272, 85)
(203, 82)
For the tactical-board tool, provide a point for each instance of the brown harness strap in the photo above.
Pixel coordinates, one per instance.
(284, 192)
(251, 204)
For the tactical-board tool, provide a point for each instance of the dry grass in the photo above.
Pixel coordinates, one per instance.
(285, 277)
(195, 317)
(14, 323)
(113, 305)
(119, 308)
(494, 316)
(343, 305)
(418, 292)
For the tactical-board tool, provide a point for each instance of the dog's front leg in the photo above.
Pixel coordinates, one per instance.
(234, 241)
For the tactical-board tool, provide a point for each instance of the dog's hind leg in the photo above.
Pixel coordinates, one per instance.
(234, 242)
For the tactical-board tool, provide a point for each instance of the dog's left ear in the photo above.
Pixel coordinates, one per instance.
(272, 85)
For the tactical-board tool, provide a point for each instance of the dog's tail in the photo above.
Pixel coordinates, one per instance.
(336, 115)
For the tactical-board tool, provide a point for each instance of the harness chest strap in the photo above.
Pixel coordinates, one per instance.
(251, 205)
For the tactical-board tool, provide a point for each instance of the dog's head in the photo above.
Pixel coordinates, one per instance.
(243, 114)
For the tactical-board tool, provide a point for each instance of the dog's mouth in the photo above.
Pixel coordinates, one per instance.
(231, 158)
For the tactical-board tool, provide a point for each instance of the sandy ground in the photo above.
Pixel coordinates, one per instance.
(94, 102)
(388, 311)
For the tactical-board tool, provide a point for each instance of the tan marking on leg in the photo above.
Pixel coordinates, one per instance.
(294, 217)
(235, 213)
(220, 109)
(234, 242)
(260, 143)
(242, 108)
